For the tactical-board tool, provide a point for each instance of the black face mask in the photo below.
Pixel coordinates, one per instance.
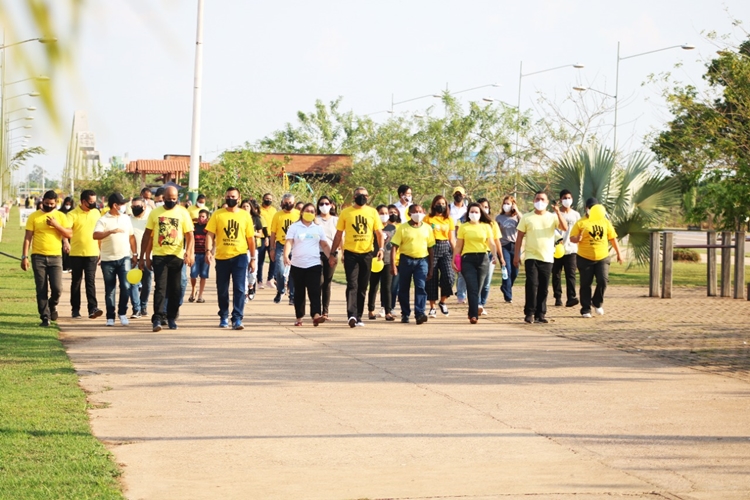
(92, 205)
(137, 211)
(231, 202)
(393, 218)
(287, 206)
(170, 204)
(267, 203)
(47, 208)
(458, 198)
(361, 200)
(439, 209)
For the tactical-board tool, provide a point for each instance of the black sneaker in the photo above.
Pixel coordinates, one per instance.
(421, 319)
(157, 326)
(53, 315)
(572, 302)
(277, 299)
(95, 313)
(44, 323)
(172, 324)
(164, 322)
(291, 301)
(558, 302)
(541, 319)
(404, 319)
(529, 319)
(76, 316)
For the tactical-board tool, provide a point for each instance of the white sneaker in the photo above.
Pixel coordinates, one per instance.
(432, 313)
(359, 323)
(271, 284)
(599, 311)
(382, 312)
(124, 320)
(586, 315)
(481, 311)
(110, 322)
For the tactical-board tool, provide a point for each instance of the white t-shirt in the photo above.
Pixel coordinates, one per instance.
(457, 213)
(115, 246)
(403, 210)
(305, 244)
(571, 217)
(328, 226)
(139, 227)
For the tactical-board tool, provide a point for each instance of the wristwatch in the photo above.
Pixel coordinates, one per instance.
(24, 257)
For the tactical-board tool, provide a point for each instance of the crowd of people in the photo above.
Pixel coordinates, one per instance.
(152, 242)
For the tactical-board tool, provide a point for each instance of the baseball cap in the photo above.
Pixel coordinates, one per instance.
(459, 189)
(116, 198)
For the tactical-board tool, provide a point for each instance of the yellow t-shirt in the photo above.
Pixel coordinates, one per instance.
(194, 211)
(495, 230)
(231, 230)
(360, 224)
(476, 237)
(442, 227)
(595, 236)
(281, 222)
(539, 235)
(168, 230)
(414, 241)
(46, 241)
(267, 213)
(83, 244)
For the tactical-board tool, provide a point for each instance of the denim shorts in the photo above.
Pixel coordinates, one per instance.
(200, 267)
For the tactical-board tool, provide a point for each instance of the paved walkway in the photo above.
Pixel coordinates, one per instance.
(441, 410)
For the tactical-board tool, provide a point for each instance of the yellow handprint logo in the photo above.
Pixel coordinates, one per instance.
(232, 230)
(360, 225)
(597, 232)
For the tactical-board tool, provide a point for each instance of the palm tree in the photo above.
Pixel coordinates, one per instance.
(636, 195)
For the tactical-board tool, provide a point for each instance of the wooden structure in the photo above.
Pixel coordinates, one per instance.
(171, 168)
(665, 241)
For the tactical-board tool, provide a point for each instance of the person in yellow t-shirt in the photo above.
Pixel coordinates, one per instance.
(84, 254)
(593, 234)
(484, 293)
(444, 230)
(168, 245)
(537, 230)
(416, 242)
(194, 210)
(45, 230)
(362, 225)
(280, 223)
(230, 238)
(267, 211)
(475, 243)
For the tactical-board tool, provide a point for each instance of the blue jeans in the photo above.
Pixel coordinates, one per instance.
(139, 294)
(236, 270)
(280, 269)
(507, 286)
(484, 294)
(461, 287)
(112, 271)
(416, 268)
(200, 267)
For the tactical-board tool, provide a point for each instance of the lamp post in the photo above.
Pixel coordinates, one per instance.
(684, 46)
(521, 76)
(195, 141)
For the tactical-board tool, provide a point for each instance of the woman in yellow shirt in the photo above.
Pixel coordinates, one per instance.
(474, 244)
(484, 294)
(444, 230)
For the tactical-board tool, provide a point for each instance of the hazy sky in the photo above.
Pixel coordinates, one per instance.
(264, 61)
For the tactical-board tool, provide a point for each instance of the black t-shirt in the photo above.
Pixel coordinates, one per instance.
(199, 234)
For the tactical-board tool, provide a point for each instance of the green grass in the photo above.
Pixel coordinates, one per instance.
(46, 446)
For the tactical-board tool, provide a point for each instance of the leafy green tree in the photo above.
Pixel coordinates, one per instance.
(707, 143)
(636, 196)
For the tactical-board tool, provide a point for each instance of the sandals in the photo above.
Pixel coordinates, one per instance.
(390, 317)
(318, 320)
(298, 322)
(201, 300)
(371, 315)
(192, 298)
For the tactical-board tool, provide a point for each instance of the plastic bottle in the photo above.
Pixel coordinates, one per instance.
(505, 273)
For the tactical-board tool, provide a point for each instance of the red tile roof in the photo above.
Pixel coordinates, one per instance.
(311, 163)
(162, 166)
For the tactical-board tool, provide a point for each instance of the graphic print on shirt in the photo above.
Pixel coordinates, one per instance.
(287, 223)
(360, 225)
(596, 232)
(232, 230)
(169, 231)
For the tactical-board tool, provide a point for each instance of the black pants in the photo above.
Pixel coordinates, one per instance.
(48, 281)
(383, 280)
(442, 272)
(357, 269)
(590, 269)
(326, 277)
(167, 285)
(474, 268)
(568, 264)
(83, 267)
(537, 285)
(306, 278)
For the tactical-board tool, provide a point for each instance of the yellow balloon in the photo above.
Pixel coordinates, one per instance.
(377, 265)
(597, 212)
(134, 276)
(559, 251)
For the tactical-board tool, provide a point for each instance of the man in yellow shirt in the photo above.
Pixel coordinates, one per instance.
(281, 221)
(416, 242)
(84, 254)
(166, 247)
(362, 224)
(194, 210)
(537, 228)
(267, 211)
(229, 237)
(45, 230)
(593, 234)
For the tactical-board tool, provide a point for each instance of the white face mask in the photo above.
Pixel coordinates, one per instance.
(540, 205)
(486, 210)
(159, 204)
(474, 216)
(324, 209)
(417, 217)
(383, 218)
(407, 199)
(567, 202)
(200, 205)
(507, 207)
(123, 209)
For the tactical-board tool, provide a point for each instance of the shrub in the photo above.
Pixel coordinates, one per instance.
(686, 255)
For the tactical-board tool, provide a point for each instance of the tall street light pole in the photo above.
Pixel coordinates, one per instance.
(196, 134)
(684, 46)
(521, 76)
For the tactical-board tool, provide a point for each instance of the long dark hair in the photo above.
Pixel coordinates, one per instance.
(436, 199)
(68, 199)
(317, 206)
(483, 217)
(394, 207)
